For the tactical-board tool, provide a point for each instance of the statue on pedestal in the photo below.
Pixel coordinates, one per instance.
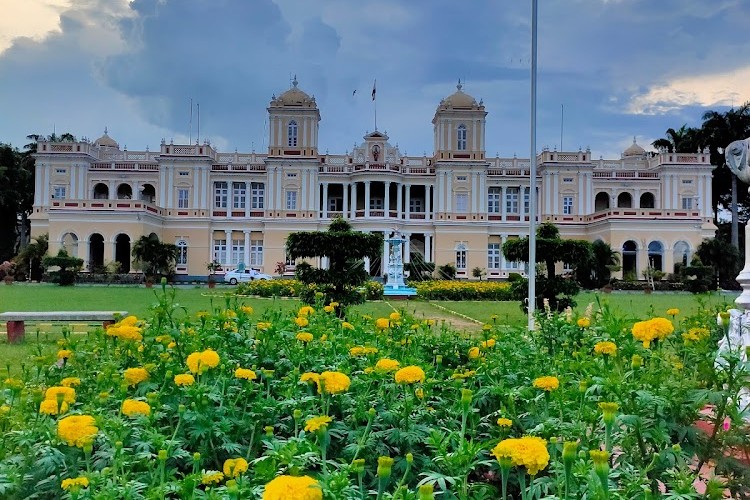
(737, 338)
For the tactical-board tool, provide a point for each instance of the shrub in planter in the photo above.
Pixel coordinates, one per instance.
(67, 266)
(464, 290)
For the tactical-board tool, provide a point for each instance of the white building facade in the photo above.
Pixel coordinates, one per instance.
(456, 206)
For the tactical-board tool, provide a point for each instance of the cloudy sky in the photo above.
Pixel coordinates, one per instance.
(620, 68)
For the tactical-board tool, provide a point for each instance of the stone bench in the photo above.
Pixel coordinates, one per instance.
(15, 320)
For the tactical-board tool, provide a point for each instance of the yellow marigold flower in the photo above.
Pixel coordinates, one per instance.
(333, 382)
(662, 327)
(171, 345)
(463, 375)
(334, 304)
(51, 407)
(695, 335)
(328, 309)
(382, 323)
(324, 337)
(134, 376)
(201, 314)
(13, 383)
(263, 325)
(316, 423)
(133, 408)
(64, 354)
(199, 362)
(528, 451)
(548, 384)
(387, 365)
(301, 322)
(77, 430)
(184, 379)
(347, 326)
(673, 311)
(504, 422)
(395, 316)
(75, 483)
(362, 351)
(474, 353)
(212, 477)
(70, 382)
(305, 337)
(584, 322)
(233, 467)
(129, 321)
(605, 347)
(245, 373)
(230, 313)
(310, 377)
(419, 393)
(68, 394)
(409, 375)
(488, 343)
(293, 488)
(599, 457)
(246, 309)
(652, 329)
(305, 311)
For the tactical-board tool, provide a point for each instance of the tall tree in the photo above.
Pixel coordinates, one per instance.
(683, 140)
(16, 197)
(154, 257)
(345, 250)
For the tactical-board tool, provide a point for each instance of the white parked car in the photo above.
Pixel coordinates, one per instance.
(236, 276)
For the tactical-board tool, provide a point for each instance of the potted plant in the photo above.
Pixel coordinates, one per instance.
(6, 272)
(212, 267)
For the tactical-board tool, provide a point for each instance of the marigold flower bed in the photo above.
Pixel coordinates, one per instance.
(224, 404)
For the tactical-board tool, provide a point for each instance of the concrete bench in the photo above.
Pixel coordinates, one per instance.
(15, 320)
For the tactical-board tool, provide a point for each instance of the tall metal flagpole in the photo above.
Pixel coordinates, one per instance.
(532, 173)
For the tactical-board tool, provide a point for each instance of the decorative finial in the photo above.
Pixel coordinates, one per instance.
(459, 86)
(633, 139)
(294, 82)
(105, 130)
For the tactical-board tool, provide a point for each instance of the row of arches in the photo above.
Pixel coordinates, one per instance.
(655, 253)
(95, 244)
(125, 192)
(624, 200)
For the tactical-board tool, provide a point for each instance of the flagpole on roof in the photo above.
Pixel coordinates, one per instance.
(375, 104)
(532, 172)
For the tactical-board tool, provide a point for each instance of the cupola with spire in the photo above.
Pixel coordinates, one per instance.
(459, 127)
(634, 150)
(106, 141)
(293, 119)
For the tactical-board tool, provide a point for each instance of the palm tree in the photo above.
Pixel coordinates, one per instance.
(153, 256)
(683, 140)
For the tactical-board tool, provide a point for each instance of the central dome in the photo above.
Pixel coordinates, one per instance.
(634, 150)
(106, 141)
(459, 99)
(294, 96)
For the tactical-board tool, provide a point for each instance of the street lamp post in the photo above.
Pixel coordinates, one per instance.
(532, 173)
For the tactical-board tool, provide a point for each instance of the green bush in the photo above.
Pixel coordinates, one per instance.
(463, 290)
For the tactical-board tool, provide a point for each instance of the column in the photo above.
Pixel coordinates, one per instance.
(556, 193)
(113, 191)
(439, 193)
(303, 188)
(476, 194)
(280, 205)
(205, 189)
(581, 194)
(406, 252)
(408, 202)
(170, 189)
(399, 201)
(247, 247)
(483, 192)
(427, 204)
(503, 239)
(384, 258)
(387, 201)
(345, 187)
(367, 265)
(269, 188)
(325, 200)
(676, 202)
(228, 236)
(503, 203)
(449, 193)
(427, 247)
(248, 201)
(354, 200)
(367, 199)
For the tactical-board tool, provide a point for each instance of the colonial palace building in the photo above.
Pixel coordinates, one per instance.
(455, 206)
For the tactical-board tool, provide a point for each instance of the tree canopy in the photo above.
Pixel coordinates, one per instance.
(16, 198)
(345, 249)
(153, 256)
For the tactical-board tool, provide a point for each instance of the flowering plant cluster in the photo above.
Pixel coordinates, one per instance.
(225, 404)
(463, 290)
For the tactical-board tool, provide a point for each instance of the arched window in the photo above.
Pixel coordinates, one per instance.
(101, 191)
(70, 244)
(656, 255)
(292, 134)
(461, 137)
(681, 254)
(647, 200)
(630, 260)
(624, 200)
(124, 192)
(148, 193)
(182, 248)
(461, 256)
(601, 202)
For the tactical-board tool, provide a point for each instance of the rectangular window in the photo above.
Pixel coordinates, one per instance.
(526, 204)
(291, 200)
(511, 200)
(182, 253)
(461, 178)
(183, 195)
(63, 171)
(493, 256)
(220, 194)
(59, 193)
(567, 179)
(291, 175)
(238, 251)
(376, 203)
(238, 195)
(461, 138)
(493, 200)
(462, 203)
(461, 259)
(567, 205)
(256, 252)
(220, 251)
(415, 205)
(687, 203)
(687, 181)
(183, 173)
(257, 195)
(335, 204)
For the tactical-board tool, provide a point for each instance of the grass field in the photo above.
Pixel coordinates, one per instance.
(138, 300)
